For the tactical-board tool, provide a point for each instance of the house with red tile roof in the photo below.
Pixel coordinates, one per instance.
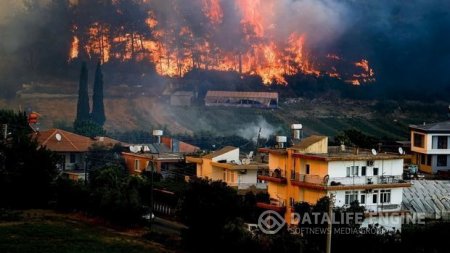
(72, 148)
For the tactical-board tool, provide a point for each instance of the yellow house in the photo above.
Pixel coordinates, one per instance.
(430, 146)
(311, 170)
(226, 165)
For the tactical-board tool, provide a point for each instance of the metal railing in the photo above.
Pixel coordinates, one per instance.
(336, 181)
(276, 173)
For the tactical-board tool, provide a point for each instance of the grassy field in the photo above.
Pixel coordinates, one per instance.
(61, 235)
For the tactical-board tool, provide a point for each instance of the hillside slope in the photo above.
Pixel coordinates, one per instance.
(319, 116)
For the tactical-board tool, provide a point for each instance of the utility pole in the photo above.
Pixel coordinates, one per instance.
(5, 131)
(330, 223)
(152, 169)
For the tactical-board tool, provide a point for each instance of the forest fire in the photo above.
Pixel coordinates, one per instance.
(175, 46)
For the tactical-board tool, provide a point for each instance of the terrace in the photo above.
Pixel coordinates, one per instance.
(348, 183)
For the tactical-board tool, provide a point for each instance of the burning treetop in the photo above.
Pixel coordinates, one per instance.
(255, 37)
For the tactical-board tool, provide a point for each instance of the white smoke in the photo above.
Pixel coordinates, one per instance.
(250, 131)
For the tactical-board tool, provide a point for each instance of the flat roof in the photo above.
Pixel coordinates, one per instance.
(336, 154)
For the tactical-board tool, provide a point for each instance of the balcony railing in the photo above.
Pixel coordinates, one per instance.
(276, 175)
(325, 182)
(386, 207)
(278, 205)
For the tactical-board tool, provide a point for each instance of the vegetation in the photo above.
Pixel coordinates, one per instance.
(83, 97)
(98, 108)
(67, 237)
(88, 128)
(26, 169)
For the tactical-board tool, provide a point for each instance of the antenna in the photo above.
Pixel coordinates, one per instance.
(58, 137)
(374, 152)
(401, 151)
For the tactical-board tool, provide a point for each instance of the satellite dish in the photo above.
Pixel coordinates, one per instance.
(374, 152)
(58, 137)
(246, 161)
(401, 151)
(135, 149)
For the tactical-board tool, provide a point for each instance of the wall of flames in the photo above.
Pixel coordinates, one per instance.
(175, 51)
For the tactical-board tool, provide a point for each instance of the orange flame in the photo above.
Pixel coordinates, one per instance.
(176, 51)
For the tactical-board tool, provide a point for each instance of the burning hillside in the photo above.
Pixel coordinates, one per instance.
(268, 38)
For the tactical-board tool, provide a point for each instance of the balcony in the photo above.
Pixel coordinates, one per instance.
(386, 207)
(274, 205)
(348, 183)
(276, 176)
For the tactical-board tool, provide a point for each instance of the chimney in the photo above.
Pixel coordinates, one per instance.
(296, 131)
(281, 140)
(158, 134)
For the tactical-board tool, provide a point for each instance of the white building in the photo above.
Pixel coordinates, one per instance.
(430, 146)
(227, 165)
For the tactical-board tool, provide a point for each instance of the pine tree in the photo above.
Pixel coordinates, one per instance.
(83, 97)
(98, 108)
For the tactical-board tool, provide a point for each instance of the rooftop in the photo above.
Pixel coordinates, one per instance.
(70, 142)
(219, 152)
(349, 154)
(441, 127)
(242, 94)
(308, 141)
(429, 197)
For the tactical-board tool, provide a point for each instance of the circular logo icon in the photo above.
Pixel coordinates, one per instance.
(270, 222)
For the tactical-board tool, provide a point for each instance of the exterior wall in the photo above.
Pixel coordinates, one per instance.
(233, 155)
(130, 162)
(436, 168)
(338, 169)
(277, 161)
(426, 146)
(309, 195)
(278, 192)
(320, 147)
(319, 168)
(395, 200)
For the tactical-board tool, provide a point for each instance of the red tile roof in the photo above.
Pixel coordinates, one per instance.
(70, 142)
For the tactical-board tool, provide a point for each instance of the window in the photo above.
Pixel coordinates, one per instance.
(363, 198)
(307, 169)
(385, 196)
(352, 171)
(429, 159)
(72, 158)
(442, 160)
(350, 197)
(418, 140)
(375, 197)
(423, 159)
(136, 165)
(363, 170)
(355, 170)
(375, 171)
(442, 142)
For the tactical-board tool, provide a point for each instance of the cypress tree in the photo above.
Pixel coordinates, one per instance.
(83, 97)
(98, 108)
